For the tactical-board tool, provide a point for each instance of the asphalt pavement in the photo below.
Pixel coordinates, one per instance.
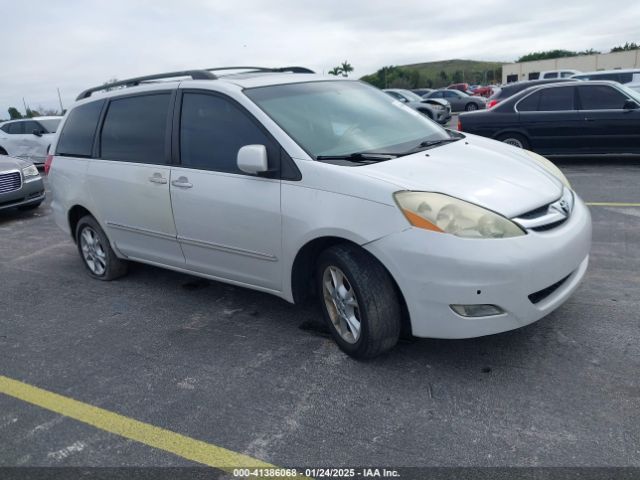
(253, 374)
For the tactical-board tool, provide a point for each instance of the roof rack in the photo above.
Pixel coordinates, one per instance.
(204, 74)
(132, 82)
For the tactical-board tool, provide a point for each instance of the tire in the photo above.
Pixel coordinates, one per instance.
(33, 206)
(515, 140)
(470, 107)
(427, 114)
(377, 307)
(98, 257)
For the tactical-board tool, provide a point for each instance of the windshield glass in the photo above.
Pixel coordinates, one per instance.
(631, 92)
(343, 117)
(412, 96)
(51, 125)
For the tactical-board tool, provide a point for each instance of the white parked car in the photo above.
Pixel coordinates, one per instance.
(28, 138)
(547, 74)
(300, 185)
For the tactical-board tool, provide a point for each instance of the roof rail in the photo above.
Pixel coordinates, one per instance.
(292, 69)
(204, 74)
(132, 82)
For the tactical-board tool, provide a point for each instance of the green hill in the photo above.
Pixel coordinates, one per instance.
(435, 74)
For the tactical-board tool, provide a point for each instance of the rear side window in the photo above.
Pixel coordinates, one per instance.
(556, 99)
(76, 138)
(15, 128)
(530, 103)
(135, 129)
(600, 97)
(213, 129)
(550, 75)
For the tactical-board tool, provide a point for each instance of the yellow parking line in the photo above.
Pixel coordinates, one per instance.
(612, 204)
(185, 447)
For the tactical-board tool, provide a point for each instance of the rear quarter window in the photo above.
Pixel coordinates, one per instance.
(78, 133)
(135, 128)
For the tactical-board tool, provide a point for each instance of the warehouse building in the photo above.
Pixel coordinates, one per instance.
(513, 72)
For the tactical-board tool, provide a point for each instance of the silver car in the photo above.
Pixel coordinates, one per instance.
(437, 110)
(20, 184)
(458, 100)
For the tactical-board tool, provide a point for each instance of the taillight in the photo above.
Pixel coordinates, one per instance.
(47, 164)
(492, 103)
(459, 125)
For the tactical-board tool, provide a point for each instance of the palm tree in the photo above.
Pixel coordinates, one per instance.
(335, 71)
(346, 68)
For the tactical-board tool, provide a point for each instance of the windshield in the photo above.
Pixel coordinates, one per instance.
(412, 96)
(343, 117)
(51, 125)
(631, 92)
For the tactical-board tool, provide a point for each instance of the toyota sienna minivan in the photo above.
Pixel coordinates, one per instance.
(304, 186)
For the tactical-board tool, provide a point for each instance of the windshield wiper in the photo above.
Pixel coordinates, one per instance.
(359, 157)
(430, 143)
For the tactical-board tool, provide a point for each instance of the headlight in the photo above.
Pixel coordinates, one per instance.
(435, 106)
(549, 167)
(30, 171)
(445, 214)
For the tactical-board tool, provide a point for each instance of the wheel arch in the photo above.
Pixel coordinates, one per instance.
(73, 217)
(303, 273)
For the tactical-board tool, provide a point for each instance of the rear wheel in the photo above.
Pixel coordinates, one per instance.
(96, 252)
(470, 107)
(358, 300)
(514, 139)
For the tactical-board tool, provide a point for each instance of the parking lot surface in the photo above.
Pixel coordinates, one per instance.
(253, 374)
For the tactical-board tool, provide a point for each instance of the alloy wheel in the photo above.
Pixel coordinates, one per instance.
(93, 251)
(342, 304)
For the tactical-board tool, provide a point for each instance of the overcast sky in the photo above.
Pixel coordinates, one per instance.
(76, 44)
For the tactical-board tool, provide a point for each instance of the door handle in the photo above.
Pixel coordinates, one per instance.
(590, 119)
(182, 182)
(158, 178)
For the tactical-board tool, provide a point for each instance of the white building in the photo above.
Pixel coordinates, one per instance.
(512, 72)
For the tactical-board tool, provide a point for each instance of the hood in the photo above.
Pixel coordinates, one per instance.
(475, 169)
(12, 163)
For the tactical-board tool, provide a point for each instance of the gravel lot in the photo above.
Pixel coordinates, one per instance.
(251, 373)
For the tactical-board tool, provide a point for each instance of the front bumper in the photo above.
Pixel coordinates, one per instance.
(435, 270)
(29, 193)
(443, 116)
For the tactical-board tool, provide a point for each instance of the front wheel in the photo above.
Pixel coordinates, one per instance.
(359, 301)
(96, 252)
(471, 107)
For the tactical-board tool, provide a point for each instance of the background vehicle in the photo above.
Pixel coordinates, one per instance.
(462, 87)
(564, 118)
(28, 138)
(437, 110)
(510, 89)
(629, 75)
(299, 185)
(547, 74)
(458, 100)
(483, 91)
(20, 184)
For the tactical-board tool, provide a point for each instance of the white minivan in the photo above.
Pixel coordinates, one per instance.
(305, 186)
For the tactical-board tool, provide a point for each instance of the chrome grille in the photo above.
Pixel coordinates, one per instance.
(10, 182)
(548, 216)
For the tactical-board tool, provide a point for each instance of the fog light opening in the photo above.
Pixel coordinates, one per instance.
(478, 310)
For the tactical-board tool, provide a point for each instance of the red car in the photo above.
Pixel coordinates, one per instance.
(483, 92)
(463, 87)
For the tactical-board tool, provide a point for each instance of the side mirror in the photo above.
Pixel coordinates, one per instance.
(630, 105)
(253, 159)
(37, 133)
